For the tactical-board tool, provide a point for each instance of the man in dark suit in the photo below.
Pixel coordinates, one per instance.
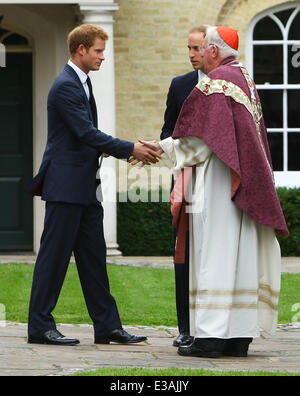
(67, 182)
(179, 90)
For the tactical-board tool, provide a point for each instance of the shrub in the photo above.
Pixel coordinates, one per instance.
(145, 228)
(290, 203)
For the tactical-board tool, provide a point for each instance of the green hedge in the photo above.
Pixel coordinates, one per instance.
(290, 203)
(145, 228)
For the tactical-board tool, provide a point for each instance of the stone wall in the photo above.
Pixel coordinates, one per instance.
(151, 49)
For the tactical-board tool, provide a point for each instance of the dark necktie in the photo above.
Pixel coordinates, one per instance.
(92, 101)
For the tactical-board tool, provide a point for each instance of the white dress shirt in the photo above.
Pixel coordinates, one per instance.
(82, 77)
(201, 75)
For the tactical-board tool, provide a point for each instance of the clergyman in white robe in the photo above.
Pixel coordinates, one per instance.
(235, 263)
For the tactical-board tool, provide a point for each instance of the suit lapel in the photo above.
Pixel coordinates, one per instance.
(187, 84)
(72, 72)
(194, 79)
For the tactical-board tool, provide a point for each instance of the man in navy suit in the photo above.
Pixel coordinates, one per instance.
(179, 90)
(67, 182)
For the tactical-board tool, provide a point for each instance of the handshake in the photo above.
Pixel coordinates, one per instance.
(146, 152)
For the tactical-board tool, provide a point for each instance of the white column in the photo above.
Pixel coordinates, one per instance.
(104, 91)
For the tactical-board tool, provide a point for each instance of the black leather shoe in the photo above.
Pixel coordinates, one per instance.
(237, 347)
(120, 336)
(203, 347)
(183, 339)
(52, 337)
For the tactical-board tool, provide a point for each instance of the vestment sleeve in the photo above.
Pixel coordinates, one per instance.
(185, 151)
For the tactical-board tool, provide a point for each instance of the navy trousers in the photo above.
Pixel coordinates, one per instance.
(72, 228)
(182, 292)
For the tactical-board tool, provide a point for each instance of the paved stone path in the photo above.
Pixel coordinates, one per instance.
(289, 264)
(17, 358)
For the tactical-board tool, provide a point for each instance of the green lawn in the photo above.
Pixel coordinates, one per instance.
(145, 296)
(140, 372)
(289, 296)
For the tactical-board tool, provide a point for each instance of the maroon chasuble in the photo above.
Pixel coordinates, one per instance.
(224, 111)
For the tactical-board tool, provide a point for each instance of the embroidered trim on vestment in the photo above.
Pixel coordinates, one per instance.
(210, 86)
(265, 295)
(223, 306)
(242, 292)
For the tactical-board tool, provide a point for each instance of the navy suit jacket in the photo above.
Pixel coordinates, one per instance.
(179, 90)
(74, 145)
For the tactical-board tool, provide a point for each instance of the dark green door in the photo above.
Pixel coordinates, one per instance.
(16, 212)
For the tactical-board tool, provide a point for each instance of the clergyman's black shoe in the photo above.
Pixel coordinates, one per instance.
(182, 340)
(203, 347)
(237, 347)
(52, 337)
(120, 336)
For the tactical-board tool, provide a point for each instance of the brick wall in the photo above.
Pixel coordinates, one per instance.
(151, 49)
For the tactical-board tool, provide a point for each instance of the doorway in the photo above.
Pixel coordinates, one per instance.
(16, 149)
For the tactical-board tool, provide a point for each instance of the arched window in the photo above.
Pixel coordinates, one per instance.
(273, 59)
(14, 41)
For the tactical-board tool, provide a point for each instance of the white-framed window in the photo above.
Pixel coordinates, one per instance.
(273, 60)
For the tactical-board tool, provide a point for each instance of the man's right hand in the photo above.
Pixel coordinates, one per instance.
(145, 154)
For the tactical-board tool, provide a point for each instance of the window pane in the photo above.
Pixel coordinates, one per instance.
(294, 64)
(293, 109)
(293, 151)
(294, 33)
(272, 105)
(275, 140)
(284, 15)
(268, 64)
(267, 29)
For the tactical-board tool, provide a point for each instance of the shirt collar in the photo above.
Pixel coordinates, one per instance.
(201, 75)
(81, 74)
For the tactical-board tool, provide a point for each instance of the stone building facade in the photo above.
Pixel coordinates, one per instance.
(146, 49)
(151, 48)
